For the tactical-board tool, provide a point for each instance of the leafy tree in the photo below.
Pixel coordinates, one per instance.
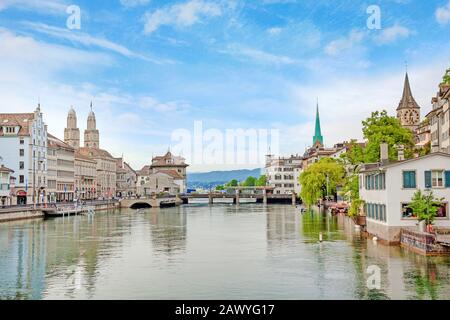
(220, 188)
(354, 154)
(232, 183)
(262, 181)
(381, 127)
(249, 182)
(446, 78)
(425, 206)
(320, 176)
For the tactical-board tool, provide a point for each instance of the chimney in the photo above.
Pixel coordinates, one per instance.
(401, 153)
(384, 152)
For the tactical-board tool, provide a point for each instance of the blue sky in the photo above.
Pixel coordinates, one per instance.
(153, 66)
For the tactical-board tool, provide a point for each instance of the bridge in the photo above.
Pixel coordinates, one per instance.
(260, 194)
(153, 202)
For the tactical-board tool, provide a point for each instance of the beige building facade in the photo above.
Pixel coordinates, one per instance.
(64, 156)
(439, 119)
(85, 177)
(126, 179)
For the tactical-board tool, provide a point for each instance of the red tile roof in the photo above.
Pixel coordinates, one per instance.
(22, 120)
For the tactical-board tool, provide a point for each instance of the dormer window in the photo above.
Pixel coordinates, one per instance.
(10, 129)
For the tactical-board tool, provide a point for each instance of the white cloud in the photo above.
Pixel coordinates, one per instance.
(23, 53)
(443, 14)
(342, 44)
(181, 15)
(392, 34)
(134, 3)
(43, 6)
(88, 40)
(151, 103)
(274, 31)
(257, 55)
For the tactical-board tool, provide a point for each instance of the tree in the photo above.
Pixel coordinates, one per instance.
(381, 127)
(232, 183)
(262, 181)
(446, 78)
(354, 154)
(220, 188)
(249, 182)
(320, 179)
(425, 206)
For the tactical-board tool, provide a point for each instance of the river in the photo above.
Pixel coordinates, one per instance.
(197, 251)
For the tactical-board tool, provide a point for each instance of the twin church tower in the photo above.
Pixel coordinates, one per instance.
(72, 133)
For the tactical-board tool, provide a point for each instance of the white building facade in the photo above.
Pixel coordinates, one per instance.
(6, 198)
(387, 190)
(283, 174)
(23, 147)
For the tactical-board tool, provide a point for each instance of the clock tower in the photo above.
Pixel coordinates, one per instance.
(408, 111)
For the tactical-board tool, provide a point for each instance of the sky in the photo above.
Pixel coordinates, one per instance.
(151, 67)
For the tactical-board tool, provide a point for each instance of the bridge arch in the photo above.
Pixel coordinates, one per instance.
(140, 205)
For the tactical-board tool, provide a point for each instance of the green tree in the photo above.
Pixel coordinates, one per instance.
(446, 78)
(262, 181)
(354, 154)
(425, 206)
(320, 179)
(220, 188)
(381, 127)
(232, 183)
(249, 182)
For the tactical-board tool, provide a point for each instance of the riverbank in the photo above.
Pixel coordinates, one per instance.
(26, 213)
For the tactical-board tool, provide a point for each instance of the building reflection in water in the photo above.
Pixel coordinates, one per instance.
(22, 260)
(76, 248)
(168, 230)
(404, 275)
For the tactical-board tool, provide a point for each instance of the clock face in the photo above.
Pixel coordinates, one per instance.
(410, 117)
(406, 116)
(414, 116)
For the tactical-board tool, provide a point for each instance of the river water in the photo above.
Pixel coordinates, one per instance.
(197, 251)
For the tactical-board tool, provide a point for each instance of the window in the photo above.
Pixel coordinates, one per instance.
(409, 179)
(437, 179)
(407, 213)
(21, 165)
(22, 141)
(21, 152)
(21, 179)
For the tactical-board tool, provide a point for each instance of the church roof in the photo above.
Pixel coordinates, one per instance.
(318, 138)
(95, 153)
(408, 101)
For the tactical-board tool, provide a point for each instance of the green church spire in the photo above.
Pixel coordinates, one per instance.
(318, 138)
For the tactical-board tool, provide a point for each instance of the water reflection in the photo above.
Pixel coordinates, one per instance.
(201, 251)
(168, 230)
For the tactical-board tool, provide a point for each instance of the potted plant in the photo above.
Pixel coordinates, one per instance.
(425, 207)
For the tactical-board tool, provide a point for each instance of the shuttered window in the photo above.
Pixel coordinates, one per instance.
(447, 179)
(409, 179)
(428, 179)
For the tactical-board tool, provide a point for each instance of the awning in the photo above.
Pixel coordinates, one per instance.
(21, 193)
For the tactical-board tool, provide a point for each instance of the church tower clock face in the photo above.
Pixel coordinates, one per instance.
(406, 117)
(414, 117)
